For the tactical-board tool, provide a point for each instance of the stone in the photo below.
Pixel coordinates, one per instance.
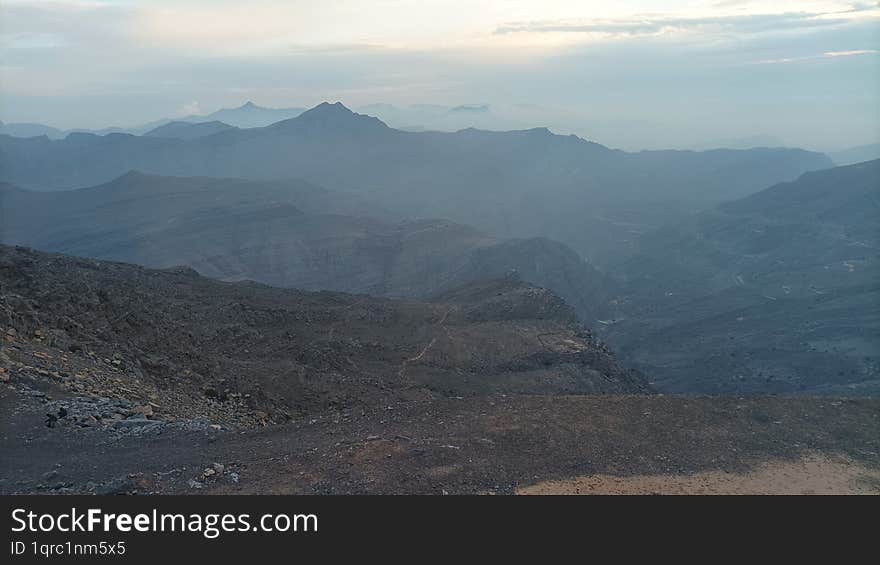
(145, 410)
(121, 485)
(134, 421)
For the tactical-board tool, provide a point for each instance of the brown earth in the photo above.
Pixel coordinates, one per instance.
(476, 445)
(812, 474)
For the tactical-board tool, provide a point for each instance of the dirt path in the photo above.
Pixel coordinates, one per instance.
(440, 324)
(812, 474)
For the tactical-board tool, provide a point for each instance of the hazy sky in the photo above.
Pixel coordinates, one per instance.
(627, 73)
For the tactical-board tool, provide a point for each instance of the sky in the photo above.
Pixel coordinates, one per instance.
(630, 73)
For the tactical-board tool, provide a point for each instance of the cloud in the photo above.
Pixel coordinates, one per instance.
(189, 109)
(656, 24)
(849, 53)
(729, 3)
(826, 55)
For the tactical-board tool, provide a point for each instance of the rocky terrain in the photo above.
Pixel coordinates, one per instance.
(473, 445)
(245, 353)
(116, 379)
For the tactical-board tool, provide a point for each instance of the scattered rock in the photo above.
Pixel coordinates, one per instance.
(121, 485)
(138, 420)
(146, 410)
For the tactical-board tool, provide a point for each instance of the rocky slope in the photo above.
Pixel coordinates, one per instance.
(181, 346)
(116, 379)
(777, 292)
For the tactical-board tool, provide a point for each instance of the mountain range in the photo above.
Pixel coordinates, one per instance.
(288, 234)
(776, 292)
(248, 115)
(188, 130)
(697, 274)
(511, 184)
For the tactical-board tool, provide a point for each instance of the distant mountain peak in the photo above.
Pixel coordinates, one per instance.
(248, 105)
(328, 108)
(335, 116)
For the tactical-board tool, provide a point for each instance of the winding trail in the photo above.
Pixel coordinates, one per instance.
(442, 325)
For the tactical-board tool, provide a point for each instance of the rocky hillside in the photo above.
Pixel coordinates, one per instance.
(289, 234)
(777, 292)
(180, 346)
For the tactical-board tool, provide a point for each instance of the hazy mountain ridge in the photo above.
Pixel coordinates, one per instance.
(776, 292)
(248, 115)
(24, 129)
(511, 184)
(288, 234)
(857, 154)
(187, 130)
